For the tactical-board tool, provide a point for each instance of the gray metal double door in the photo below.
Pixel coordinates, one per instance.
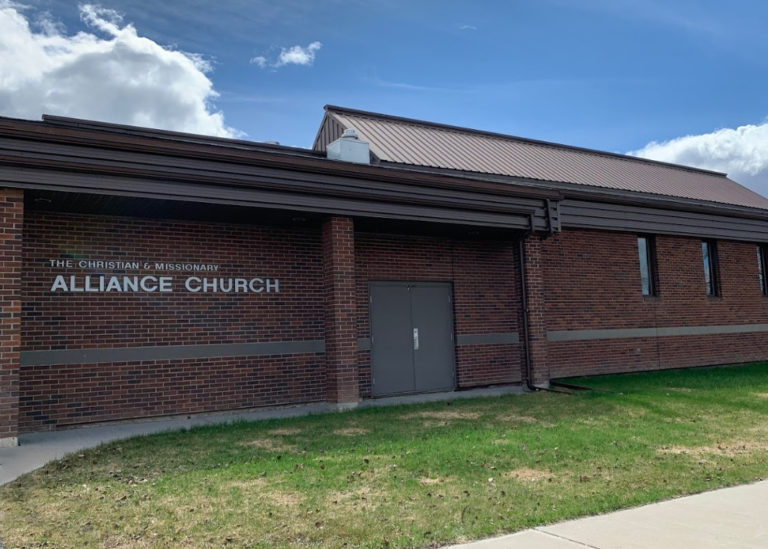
(412, 345)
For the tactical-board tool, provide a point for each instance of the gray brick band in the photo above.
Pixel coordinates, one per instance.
(170, 352)
(488, 339)
(364, 343)
(585, 335)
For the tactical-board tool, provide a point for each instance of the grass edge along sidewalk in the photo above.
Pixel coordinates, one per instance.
(410, 476)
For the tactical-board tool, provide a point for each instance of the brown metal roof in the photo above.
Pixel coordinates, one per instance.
(419, 143)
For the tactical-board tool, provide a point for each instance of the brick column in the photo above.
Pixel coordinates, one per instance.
(340, 310)
(11, 219)
(537, 325)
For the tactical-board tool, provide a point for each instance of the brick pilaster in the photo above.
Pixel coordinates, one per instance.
(537, 325)
(11, 220)
(340, 310)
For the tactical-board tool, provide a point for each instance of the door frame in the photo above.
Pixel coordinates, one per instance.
(419, 283)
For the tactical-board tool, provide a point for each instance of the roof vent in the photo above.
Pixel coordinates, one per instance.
(349, 148)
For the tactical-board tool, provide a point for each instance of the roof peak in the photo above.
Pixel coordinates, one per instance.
(539, 142)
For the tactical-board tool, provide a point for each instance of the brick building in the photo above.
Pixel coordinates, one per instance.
(149, 273)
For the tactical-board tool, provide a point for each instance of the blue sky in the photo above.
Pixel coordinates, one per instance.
(611, 75)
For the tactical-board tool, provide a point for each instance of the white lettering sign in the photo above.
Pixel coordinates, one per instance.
(163, 284)
(151, 283)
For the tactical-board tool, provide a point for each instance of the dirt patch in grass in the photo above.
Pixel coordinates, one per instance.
(588, 421)
(359, 500)
(429, 481)
(351, 431)
(527, 474)
(635, 412)
(120, 543)
(445, 415)
(270, 445)
(761, 395)
(284, 431)
(283, 498)
(515, 418)
(258, 486)
(760, 428)
(726, 449)
(441, 418)
(257, 482)
(431, 424)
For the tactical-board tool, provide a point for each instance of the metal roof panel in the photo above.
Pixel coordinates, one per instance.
(419, 143)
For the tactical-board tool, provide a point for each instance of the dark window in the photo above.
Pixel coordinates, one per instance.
(709, 254)
(762, 266)
(646, 247)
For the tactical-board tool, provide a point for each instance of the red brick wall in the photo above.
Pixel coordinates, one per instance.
(593, 282)
(340, 309)
(590, 281)
(71, 394)
(11, 225)
(486, 296)
(57, 395)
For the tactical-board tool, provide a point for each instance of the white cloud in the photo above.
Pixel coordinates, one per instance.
(259, 60)
(742, 153)
(295, 55)
(109, 73)
(407, 86)
(468, 27)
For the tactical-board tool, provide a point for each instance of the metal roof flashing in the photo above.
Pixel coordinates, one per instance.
(169, 135)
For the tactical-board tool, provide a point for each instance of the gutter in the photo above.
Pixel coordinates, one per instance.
(577, 191)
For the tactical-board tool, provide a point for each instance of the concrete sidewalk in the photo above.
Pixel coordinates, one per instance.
(730, 518)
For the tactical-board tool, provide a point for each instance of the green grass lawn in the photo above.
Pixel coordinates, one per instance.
(410, 476)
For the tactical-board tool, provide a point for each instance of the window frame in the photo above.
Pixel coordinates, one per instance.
(762, 267)
(651, 264)
(711, 267)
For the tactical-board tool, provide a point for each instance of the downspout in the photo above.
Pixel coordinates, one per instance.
(524, 304)
(527, 382)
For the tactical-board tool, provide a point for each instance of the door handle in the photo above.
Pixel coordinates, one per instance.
(415, 339)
